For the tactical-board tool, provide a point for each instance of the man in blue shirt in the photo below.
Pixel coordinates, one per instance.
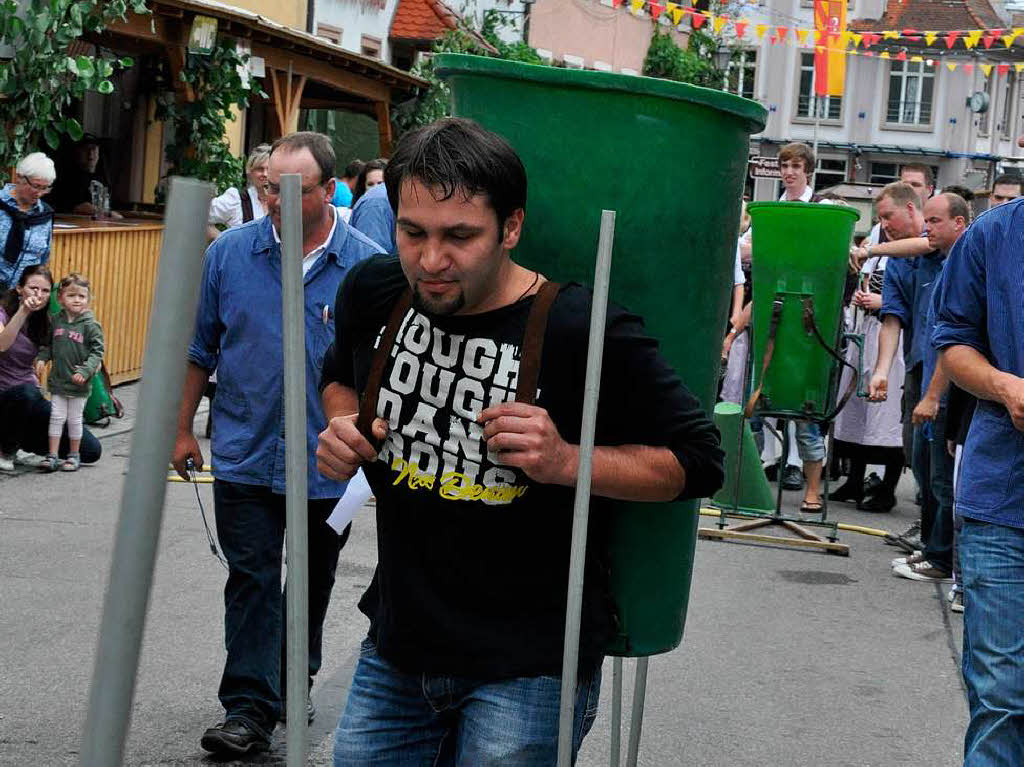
(239, 333)
(374, 217)
(980, 334)
(26, 222)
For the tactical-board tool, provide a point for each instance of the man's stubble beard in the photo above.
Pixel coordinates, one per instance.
(440, 308)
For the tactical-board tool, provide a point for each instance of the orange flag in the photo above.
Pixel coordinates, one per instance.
(830, 64)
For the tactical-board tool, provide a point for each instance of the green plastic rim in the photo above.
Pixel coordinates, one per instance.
(753, 114)
(793, 206)
(727, 408)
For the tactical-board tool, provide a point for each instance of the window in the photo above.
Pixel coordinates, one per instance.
(829, 107)
(911, 86)
(327, 32)
(739, 77)
(370, 46)
(829, 173)
(884, 173)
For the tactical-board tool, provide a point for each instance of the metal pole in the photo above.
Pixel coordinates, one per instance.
(637, 722)
(616, 745)
(817, 122)
(142, 498)
(297, 537)
(581, 508)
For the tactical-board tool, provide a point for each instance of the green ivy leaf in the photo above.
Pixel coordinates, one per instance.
(105, 87)
(51, 137)
(71, 65)
(85, 66)
(74, 129)
(127, 62)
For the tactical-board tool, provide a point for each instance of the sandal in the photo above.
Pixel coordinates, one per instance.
(811, 507)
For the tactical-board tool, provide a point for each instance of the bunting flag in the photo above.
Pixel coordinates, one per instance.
(1008, 39)
(829, 67)
(929, 38)
(951, 66)
(901, 56)
(655, 10)
(856, 39)
(801, 36)
(988, 39)
(968, 68)
(891, 34)
(986, 68)
(951, 39)
(675, 12)
(971, 38)
(1003, 69)
(717, 22)
(780, 33)
(760, 29)
(637, 6)
(698, 19)
(1018, 67)
(741, 29)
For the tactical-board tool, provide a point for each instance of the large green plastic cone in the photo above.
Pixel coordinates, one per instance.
(748, 489)
(799, 249)
(671, 160)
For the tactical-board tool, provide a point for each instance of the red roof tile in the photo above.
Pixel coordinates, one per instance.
(932, 16)
(422, 20)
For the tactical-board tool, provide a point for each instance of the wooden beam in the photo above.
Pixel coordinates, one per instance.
(148, 27)
(383, 127)
(322, 72)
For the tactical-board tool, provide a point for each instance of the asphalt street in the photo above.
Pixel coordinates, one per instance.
(790, 657)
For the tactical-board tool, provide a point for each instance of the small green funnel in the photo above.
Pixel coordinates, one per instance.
(800, 251)
(747, 490)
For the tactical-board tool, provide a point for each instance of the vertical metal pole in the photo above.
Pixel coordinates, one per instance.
(142, 498)
(581, 508)
(616, 744)
(637, 722)
(297, 537)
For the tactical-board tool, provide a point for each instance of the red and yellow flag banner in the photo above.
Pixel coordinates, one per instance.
(829, 64)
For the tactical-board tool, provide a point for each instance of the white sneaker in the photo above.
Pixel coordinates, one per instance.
(923, 571)
(910, 559)
(6, 464)
(26, 458)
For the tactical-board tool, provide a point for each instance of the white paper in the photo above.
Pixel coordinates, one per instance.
(356, 495)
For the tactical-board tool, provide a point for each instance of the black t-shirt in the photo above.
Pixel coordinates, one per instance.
(473, 561)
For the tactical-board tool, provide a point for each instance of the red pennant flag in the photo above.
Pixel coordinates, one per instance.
(911, 34)
(996, 32)
(870, 38)
(781, 32)
(698, 20)
(617, 3)
(968, 68)
(901, 56)
(741, 28)
(655, 10)
(988, 39)
(1003, 69)
(951, 39)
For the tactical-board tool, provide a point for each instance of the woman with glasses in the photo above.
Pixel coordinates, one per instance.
(26, 222)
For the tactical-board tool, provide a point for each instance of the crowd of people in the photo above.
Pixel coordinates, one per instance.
(37, 432)
(936, 297)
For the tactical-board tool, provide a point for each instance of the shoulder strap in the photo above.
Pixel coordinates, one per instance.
(243, 195)
(368, 402)
(816, 198)
(533, 342)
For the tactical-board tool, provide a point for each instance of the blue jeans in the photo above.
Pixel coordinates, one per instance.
(810, 445)
(250, 529)
(397, 719)
(933, 469)
(992, 561)
(25, 416)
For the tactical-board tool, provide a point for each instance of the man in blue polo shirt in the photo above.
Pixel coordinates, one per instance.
(980, 334)
(239, 333)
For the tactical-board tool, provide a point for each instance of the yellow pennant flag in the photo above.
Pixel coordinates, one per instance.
(844, 39)
(1008, 39)
(883, 55)
(929, 37)
(801, 36)
(971, 39)
(1018, 67)
(675, 12)
(856, 39)
(760, 29)
(890, 35)
(637, 6)
(917, 58)
(717, 22)
(987, 69)
(951, 66)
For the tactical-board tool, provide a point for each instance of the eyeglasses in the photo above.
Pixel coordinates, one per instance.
(41, 189)
(274, 190)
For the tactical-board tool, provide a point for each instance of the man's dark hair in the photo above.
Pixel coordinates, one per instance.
(318, 145)
(457, 155)
(924, 170)
(798, 151)
(353, 169)
(1008, 178)
(961, 191)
